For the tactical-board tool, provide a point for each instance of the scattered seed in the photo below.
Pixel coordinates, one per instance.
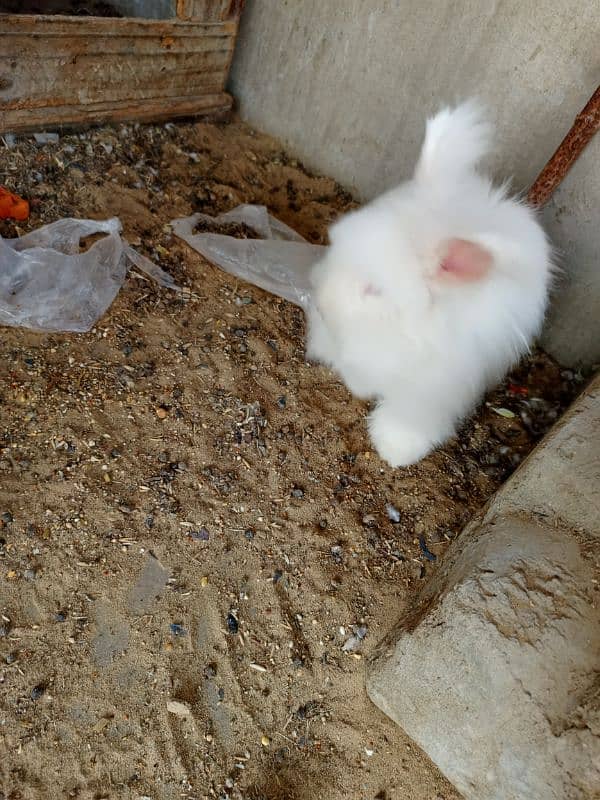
(504, 412)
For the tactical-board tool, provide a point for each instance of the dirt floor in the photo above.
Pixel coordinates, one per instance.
(192, 524)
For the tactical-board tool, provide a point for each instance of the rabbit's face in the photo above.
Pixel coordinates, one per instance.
(372, 275)
(393, 271)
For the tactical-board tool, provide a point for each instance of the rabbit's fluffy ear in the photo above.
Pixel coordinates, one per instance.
(464, 261)
(455, 141)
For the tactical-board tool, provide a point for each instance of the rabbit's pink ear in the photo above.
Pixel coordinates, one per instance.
(464, 261)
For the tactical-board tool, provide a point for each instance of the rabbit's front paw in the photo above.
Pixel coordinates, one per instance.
(396, 443)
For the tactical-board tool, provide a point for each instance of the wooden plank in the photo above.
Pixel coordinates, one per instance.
(213, 105)
(59, 26)
(57, 69)
(168, 75)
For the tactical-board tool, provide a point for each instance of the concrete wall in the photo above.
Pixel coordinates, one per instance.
(347, 85)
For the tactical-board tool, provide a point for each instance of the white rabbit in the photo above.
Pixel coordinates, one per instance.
(430, 293)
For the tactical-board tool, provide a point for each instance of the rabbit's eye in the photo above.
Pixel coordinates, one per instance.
(370, 290)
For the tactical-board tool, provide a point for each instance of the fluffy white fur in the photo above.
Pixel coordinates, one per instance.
(429, 294)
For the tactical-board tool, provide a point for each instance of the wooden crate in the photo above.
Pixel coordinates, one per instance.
(59, 70)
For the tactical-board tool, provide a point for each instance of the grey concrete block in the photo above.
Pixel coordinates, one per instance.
(495, 675)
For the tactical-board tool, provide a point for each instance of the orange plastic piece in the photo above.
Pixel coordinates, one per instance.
(12, 206)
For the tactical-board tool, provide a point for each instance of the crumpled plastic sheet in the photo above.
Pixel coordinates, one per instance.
(279, 263)
(47, 284)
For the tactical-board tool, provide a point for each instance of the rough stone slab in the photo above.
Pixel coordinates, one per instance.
(561, 478)
(496, 671)
(496, 676)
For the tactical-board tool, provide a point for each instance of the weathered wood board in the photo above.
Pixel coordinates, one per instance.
(75, 70)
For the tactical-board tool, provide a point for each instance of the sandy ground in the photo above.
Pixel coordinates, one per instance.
(192, 521)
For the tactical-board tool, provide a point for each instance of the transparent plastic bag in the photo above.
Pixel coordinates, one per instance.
(47, 284)
(279, 263)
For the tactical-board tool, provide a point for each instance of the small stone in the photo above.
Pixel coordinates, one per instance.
(282, 401)
(393, 513)
(265, 741)
(37, 691)
(46, 138)
(232, 623)
(297, 492)
(336, 552)
(29, 574)
(177, 708)
(162, 413)
(7, 518)
(204, 581)
(200, 536)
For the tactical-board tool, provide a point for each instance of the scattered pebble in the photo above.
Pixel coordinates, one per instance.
(393, 513)
(46, 138)
(352, 644)
(177, 629)
(232, 623)
(179, 709)
(199, 536)
(38, 691)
